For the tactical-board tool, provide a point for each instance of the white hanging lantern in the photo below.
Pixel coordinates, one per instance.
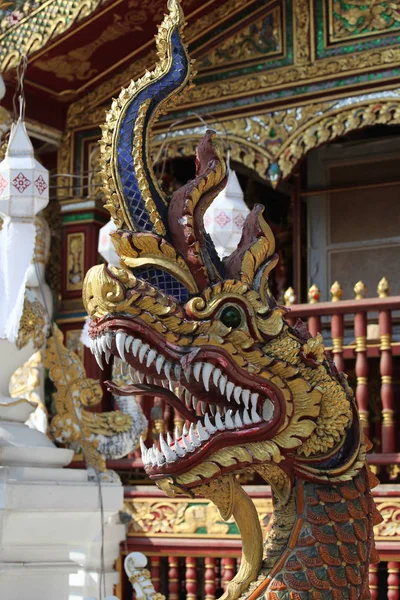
(24, 182)
(225, 218)
(24, 191)
(105, 246)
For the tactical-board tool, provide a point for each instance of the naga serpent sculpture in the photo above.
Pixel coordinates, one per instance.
(259, 394)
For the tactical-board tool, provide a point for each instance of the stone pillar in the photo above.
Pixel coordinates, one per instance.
(50, 518)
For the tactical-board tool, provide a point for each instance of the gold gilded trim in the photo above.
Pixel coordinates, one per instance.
(386, 341)
(387, 417)
(361, 344)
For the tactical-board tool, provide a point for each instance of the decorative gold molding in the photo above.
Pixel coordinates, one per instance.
(183, 518)
(178, 517)
(302, 27)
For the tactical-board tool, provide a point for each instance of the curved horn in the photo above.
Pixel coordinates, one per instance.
(187, 208)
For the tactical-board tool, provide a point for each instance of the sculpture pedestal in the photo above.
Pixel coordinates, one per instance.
(50, 518)
(50, 533)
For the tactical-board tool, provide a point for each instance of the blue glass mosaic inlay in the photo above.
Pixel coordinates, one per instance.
(157, 91)
(164, 282)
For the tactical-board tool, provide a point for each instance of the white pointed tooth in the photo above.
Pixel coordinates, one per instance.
(91, 346)
(177, 433)
(107, 355)
(202, 432)
(132, 373)
(268, 410)
(254, 398)
(150, 357)
(218, 422)
(208, 425)
(172, 386)
(160, 458)
(103, 342)
(135, 346)
(167, 369)
(188, 398)
(185, 430)
(236, 393)
(197, 370)
(187, 444)
(169, 439)
(149, 379)
(97, 355)
(143, 448)
(159, 363)
(169, 454)
(222, 383)
(246, 417)
(178, 449)
(204, 407)
(109, 339)
(140, 377)
(128, 342)
(188, 373)
(177, 372)
(151, 457)
(142, 352)
(228, 420)
(120, 342)
(237, 420)
(246, 397)
(206, 374)
(216, 375)
(193, 437)
(213, 409)
(229, 390)
(194, 403)
(254, 416)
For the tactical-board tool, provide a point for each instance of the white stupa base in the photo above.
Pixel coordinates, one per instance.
(50, 533)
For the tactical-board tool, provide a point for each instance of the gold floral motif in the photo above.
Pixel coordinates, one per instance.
(25, 382)
(353, 18)
(177, 517)
(32, 325)
(38, 26)
(249, 42)
(301, 37)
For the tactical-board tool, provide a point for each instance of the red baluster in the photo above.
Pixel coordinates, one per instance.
(191, 578)
(362, 395)
(337, 328)
(386, 368)
(209, 578)
(314, 322)
(393, 581)
(373, 581)
(173, 578)
(155, 572)
(228, 571)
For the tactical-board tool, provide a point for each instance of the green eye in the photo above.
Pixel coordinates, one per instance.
(231, 317)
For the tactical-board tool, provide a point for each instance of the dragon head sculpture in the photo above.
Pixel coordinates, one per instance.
(208, 338)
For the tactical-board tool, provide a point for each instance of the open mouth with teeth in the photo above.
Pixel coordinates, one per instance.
(213, 395)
